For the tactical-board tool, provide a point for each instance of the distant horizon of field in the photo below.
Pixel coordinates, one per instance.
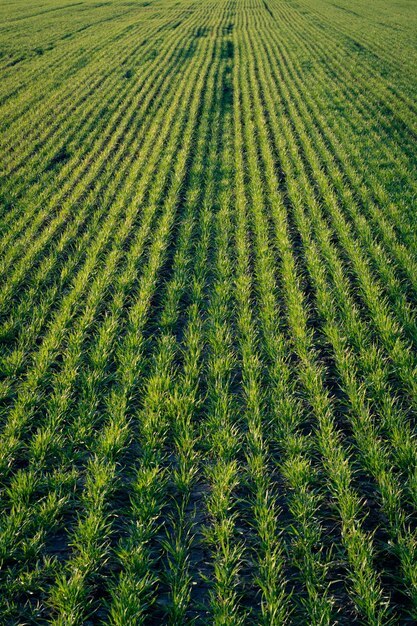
(208, 330)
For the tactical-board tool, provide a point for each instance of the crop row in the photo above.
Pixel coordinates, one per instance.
(207, 322)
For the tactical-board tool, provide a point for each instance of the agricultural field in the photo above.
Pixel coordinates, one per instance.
(208, 330)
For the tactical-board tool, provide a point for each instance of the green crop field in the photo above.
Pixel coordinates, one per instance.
(208, 329)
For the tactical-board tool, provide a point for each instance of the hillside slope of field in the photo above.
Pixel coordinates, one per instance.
(208, 269)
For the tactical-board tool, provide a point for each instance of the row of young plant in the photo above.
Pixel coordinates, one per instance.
(385, 48)
(118, 58)
(388, 483)
(119, 207)
(284, 435)
(54, 273)
(81, 169)
(46, 437)
(334, 457)
(371, 366)
(65, 58)
(168, 413)
(405, 437)
(363, 110)
(154, 555)
(69, 595)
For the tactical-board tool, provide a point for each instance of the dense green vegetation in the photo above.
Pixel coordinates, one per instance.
(208, 312)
